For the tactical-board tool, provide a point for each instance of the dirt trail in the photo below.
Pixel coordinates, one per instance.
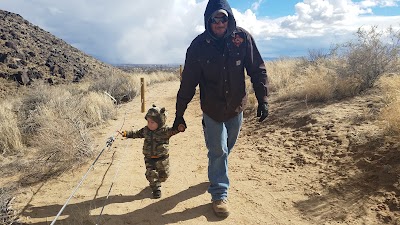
(298, 167)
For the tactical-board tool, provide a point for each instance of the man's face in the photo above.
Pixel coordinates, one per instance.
(218, 26)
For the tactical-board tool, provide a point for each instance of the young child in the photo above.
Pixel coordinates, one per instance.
(155, 148)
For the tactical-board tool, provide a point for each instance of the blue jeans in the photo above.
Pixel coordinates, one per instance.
(220, 138)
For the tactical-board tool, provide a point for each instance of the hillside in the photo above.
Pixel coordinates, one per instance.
(29, 54)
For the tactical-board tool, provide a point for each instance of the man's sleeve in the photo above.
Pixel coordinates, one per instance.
(190, 79)
(255, 67)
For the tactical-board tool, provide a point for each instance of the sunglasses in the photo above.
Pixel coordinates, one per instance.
(219, 19)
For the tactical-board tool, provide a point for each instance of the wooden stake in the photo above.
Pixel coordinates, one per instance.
(142, 98)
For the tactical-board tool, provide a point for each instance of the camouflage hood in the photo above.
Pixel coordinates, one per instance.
(158, 115)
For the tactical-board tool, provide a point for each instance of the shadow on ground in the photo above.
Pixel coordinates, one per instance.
(155, 213)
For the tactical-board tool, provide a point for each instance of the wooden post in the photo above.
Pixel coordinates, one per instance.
(142, 85)
(180, 72)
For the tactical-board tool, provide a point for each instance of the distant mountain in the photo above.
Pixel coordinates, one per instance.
(148, 68)
(29, 53)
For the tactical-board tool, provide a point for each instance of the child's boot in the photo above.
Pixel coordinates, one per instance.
(157, 192)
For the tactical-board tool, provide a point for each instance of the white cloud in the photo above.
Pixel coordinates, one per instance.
(380, 3)
(125, 31)
(314, 15)
(256, 5)
(119, 31)
(323, 17)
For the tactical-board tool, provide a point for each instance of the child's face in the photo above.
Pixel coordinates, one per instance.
(151, 124)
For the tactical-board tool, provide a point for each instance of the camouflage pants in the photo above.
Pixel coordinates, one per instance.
(157, 171)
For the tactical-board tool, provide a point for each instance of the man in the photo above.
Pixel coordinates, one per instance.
(215, 61)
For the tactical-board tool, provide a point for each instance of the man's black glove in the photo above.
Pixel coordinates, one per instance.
(262, 111)
(178, 121)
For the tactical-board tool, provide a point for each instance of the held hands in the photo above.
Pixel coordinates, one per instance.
(179, 124)
(262, 111)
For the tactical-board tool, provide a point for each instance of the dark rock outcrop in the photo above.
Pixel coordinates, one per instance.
(29, 53)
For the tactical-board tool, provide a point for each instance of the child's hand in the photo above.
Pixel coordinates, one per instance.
(122, 133)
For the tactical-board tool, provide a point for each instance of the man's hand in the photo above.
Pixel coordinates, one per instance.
(262, 111)
(179, 121)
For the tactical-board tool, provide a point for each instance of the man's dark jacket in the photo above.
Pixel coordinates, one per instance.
(217, 66)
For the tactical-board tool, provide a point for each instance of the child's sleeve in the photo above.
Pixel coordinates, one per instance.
(134, 134)
(171, 131)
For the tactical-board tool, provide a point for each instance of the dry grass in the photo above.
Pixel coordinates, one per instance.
(252, 102)
(317, 84)
(53, 123)
(7, 213)
(122, 87)
(7, 86)
(95, 109)
(158, 77)
(60, 125)
(10, 136)
(281, 73)
(390, 114)
(292, 79)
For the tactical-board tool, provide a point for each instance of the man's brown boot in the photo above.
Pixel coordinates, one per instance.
(220, 208)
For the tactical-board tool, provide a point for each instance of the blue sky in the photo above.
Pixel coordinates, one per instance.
(267, 8)
(126, 31)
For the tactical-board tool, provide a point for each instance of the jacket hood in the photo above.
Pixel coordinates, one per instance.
(214, 5)
(158, 115)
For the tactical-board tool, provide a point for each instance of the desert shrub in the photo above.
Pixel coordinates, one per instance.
(28, 107)
(317, 85)
(7, 87)
(358, 63)
(121, 87)
(372, 54)
(159, 77)
(57, 127)
(348, 86)
(7, 213)
(95, 109)
(54, 123)
(390, 114)
(66, 118)
(281, 73)
(293, 79)
(316, 55)
(52, 114)
(10, 136)
(252, 102)
(61, 136)
(345, 71)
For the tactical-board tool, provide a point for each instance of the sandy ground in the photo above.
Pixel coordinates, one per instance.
(306, 164)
